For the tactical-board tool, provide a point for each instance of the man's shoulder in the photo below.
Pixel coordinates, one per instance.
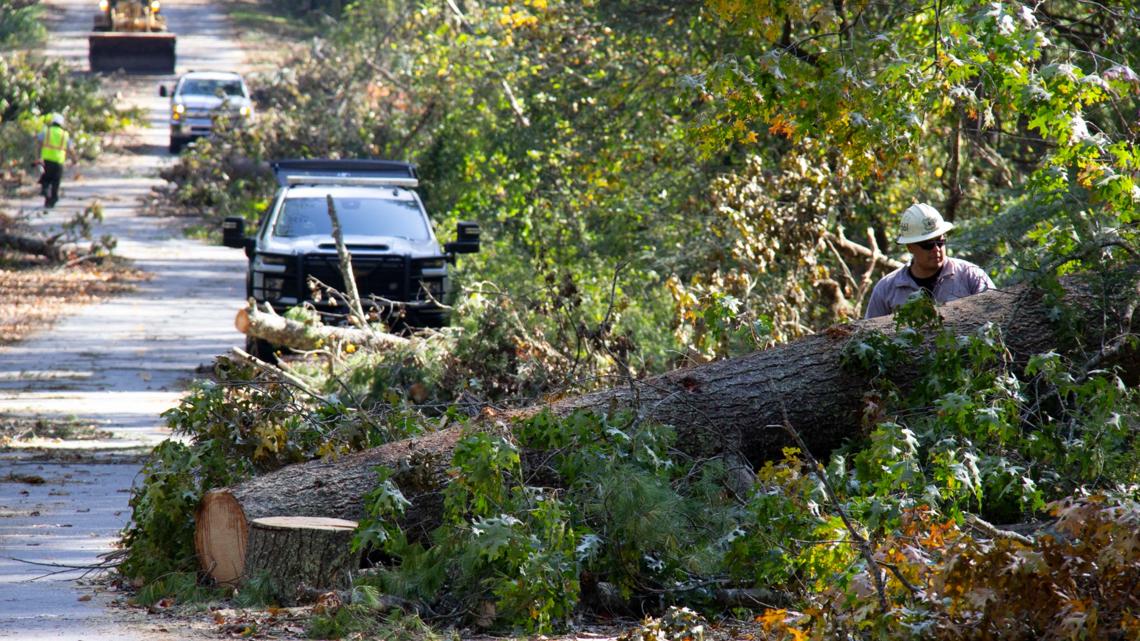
(961, 265)
(892, 278)
(969, 272)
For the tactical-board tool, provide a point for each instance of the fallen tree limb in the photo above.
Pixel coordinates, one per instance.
(737, 408)
(278, 330)
(49, 248)
(855, 250)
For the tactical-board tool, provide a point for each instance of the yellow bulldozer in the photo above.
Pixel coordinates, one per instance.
(130, 35)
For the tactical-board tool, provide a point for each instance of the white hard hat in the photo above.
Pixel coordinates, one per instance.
(921, 222)
(57, 119)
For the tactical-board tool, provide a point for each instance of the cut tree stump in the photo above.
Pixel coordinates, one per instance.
(299, 553)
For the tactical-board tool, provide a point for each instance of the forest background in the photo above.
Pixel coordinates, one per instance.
(664, 184)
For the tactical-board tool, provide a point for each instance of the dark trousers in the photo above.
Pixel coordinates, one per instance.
(53, 173)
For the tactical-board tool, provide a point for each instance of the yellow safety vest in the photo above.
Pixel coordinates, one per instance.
(55, 144)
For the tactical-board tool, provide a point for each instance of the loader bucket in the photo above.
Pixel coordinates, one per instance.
(133, 52)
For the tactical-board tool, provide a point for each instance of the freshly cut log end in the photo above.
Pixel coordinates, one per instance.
(300, 553)
(220, 535)
(327, 488)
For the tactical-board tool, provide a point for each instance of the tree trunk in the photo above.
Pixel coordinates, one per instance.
(734, 408)
(282, 331)
(330, 487)
(302, 553)
(48, 248)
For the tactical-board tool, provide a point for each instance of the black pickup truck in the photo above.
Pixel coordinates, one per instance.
(401, 270)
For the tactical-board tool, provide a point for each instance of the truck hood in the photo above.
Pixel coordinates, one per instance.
(357, 246)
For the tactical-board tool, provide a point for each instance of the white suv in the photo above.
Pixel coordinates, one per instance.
(199, 97)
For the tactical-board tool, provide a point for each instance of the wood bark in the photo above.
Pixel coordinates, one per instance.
(300, 553)
(346, 265)
(46, 247)
(278, 330)
(330, 487)
(734, 408)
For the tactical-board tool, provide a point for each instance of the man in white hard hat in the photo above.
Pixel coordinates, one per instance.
(53, 152)
(923, 231)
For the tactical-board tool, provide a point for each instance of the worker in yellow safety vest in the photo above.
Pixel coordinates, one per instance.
(53, 152)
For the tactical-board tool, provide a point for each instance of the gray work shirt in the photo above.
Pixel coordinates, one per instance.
(958, 279)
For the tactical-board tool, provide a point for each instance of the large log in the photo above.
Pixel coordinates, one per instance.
(331, 487)
(734, 407)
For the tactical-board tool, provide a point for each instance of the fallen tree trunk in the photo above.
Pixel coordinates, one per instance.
(49, 248)
(330, 487)
(734, 407)
(285, 332)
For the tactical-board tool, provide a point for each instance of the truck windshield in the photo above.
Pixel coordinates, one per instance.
(202, 87)
(358, 217)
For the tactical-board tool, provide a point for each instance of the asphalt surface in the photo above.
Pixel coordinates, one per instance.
(117, 364)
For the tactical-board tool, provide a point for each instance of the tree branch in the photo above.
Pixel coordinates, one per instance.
(516, 107)
(354, 306)
(861, 543)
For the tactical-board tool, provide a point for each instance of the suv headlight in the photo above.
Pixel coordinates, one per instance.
(245, 111)
(177, 110)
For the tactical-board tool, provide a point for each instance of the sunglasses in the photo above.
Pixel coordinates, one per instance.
(931, 244)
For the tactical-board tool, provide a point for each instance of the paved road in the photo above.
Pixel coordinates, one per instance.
(118, 364)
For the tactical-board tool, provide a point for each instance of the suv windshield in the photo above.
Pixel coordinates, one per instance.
(358, 217)
(202, 87)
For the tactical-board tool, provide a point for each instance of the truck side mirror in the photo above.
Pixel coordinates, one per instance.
(162, 90)
(466, 239)
(233, 232)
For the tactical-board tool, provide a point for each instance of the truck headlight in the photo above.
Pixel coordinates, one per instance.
(431, 288)
(273, 287)
(176, 111)
(104, 5)
(269, 275)
(245, 111)
(154, 5)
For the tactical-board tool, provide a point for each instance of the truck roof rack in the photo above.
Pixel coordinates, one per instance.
(298, 171)
(359, 181)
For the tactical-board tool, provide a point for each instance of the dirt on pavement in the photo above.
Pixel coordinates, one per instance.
(33, 295)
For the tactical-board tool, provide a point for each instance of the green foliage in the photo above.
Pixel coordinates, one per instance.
(384, 504)
(176, 587)
(20, 23)
(675, 180)
(502, 543)
(366, 617)
(258, 590)
(31, 89)
(973, 432)
(625, 516)
(160, 537)
(234, 428)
